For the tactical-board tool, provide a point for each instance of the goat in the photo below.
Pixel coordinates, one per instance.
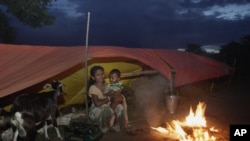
(4, 119)
(29, 110)
(5, 125)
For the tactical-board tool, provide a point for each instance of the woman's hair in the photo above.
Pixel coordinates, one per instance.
(93, 71)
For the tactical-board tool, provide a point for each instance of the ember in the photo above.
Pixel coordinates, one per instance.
(194, 128)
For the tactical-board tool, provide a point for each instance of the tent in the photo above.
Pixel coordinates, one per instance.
(28, 67)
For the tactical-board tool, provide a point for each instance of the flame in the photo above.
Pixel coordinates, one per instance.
(197, 118)
(161, 129)
(194, 128)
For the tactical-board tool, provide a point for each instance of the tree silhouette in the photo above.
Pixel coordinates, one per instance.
(194, 48)
(33, 13)
(236, 54)
(7, 32)
(231, 52)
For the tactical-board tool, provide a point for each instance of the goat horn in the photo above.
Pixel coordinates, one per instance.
(47, 86)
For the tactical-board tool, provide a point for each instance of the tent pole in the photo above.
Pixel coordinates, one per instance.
(172, 80)
(86, 66)
(172, 74)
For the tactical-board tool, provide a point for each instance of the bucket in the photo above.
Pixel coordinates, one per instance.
(172, 103)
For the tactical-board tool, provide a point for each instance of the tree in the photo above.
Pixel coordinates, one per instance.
(231, 52)
(245, 40)
(7, 32)
(238, 53)
(244, 56)
(194, 48)
(33, 13)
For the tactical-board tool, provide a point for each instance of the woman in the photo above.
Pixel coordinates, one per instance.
(100, 110)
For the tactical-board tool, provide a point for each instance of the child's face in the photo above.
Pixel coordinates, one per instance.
(114, 78)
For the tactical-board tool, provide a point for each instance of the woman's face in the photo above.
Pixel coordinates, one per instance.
(99, 76)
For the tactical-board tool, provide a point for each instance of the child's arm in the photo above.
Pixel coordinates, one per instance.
(112, 90)
(117, 99)
(110, 93)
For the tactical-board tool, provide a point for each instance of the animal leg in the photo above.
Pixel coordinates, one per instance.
(56, 128)
(18, 123)
(45, 127)
(58, 133)
(54, 122)
(15, 135)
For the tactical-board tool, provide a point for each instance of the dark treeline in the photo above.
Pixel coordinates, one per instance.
(33, 13)
(235, 54)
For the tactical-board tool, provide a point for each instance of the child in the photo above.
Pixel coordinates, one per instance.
(116, 98)
(115, 85)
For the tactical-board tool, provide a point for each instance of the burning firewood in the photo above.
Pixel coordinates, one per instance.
(194, 128)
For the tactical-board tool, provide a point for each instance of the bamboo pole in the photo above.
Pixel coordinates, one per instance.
(86, 64)
(172, 80)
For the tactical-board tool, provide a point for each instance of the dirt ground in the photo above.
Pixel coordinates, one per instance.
(227, 103)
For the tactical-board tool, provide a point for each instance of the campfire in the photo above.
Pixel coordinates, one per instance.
(194, 128)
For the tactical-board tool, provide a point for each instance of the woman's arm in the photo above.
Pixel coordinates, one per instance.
(99, 102)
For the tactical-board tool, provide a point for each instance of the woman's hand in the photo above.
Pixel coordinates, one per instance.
(99, 102)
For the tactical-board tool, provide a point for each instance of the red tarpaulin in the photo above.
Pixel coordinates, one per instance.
(25, 65)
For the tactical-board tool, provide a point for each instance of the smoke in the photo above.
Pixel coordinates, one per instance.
(150, 92)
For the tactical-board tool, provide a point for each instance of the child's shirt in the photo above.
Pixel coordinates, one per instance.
(114, 87)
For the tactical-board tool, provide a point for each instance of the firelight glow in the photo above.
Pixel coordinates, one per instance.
(193, 129)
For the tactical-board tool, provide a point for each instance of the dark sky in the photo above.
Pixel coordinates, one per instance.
(141, 23)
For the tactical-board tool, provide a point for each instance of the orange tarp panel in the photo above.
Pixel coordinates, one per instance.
(191, 68)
